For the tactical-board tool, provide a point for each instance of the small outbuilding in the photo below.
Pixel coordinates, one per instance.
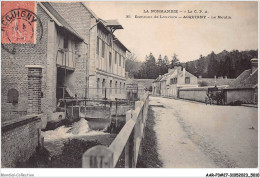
(245, 88)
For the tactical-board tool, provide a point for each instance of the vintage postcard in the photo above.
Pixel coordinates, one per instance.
(129, 84)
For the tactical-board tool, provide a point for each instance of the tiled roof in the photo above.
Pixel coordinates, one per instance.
(187, 74)
(165, 76)
(246, 80)
(60, 19)
(217, 81)
(180, 73)
(158, 79)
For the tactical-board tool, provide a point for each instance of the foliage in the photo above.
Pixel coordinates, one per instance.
(230, 64)
(149, 157)
(202, 84)
(149, 68)
(132, 66)
(175, 61)
(71, 156)
(72, 152)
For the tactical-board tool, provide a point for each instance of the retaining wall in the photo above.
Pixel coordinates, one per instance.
(19, 140)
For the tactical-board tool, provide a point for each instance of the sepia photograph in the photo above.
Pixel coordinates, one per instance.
(129, 84)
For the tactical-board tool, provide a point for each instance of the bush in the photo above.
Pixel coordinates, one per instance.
(72, 152)
(39, 159)
(71, 156)
(236, 103)
(202, 84)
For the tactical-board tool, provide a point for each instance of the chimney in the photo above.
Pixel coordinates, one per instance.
(184, 70)
(254, 65)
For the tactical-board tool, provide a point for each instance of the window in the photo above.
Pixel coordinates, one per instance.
(103, 86)
(116, 88)
(66, 43)
(97, 46)
(110, 60)
(110, 86)
(119, 60)
(173, 81)
(110, 40)
(115, 57)
(12, 96)
(120, 88)
(123, 62)
(103, 49)
(187, 80)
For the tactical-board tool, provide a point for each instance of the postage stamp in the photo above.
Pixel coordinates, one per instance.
(19, 22)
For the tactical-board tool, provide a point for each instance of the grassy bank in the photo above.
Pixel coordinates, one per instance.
(149, 157)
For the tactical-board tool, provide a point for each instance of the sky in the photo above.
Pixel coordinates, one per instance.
(188, 38)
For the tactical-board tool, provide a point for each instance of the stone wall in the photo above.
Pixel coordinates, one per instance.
(195, 94)
(243, 95)
(19, 140)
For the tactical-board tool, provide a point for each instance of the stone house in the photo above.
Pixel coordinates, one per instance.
(157, 86)
(169, 83)
(108, 73)
(244, 88)
(76, 51)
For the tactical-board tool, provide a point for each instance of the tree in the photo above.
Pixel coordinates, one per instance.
(175, 61)
(166, 60)
(160, 61)
(162, 65)
(149, 68)
(200, 67)
(212, 66)
(132, 66)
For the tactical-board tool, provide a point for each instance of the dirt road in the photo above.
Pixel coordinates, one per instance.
(195, 135)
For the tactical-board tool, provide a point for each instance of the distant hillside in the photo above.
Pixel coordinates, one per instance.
(230, 64)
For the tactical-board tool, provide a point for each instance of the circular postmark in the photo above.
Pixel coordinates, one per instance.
(18, 27)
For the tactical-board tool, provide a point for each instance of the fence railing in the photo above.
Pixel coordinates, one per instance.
(73, 107)
(105, 92)
(129, 139)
